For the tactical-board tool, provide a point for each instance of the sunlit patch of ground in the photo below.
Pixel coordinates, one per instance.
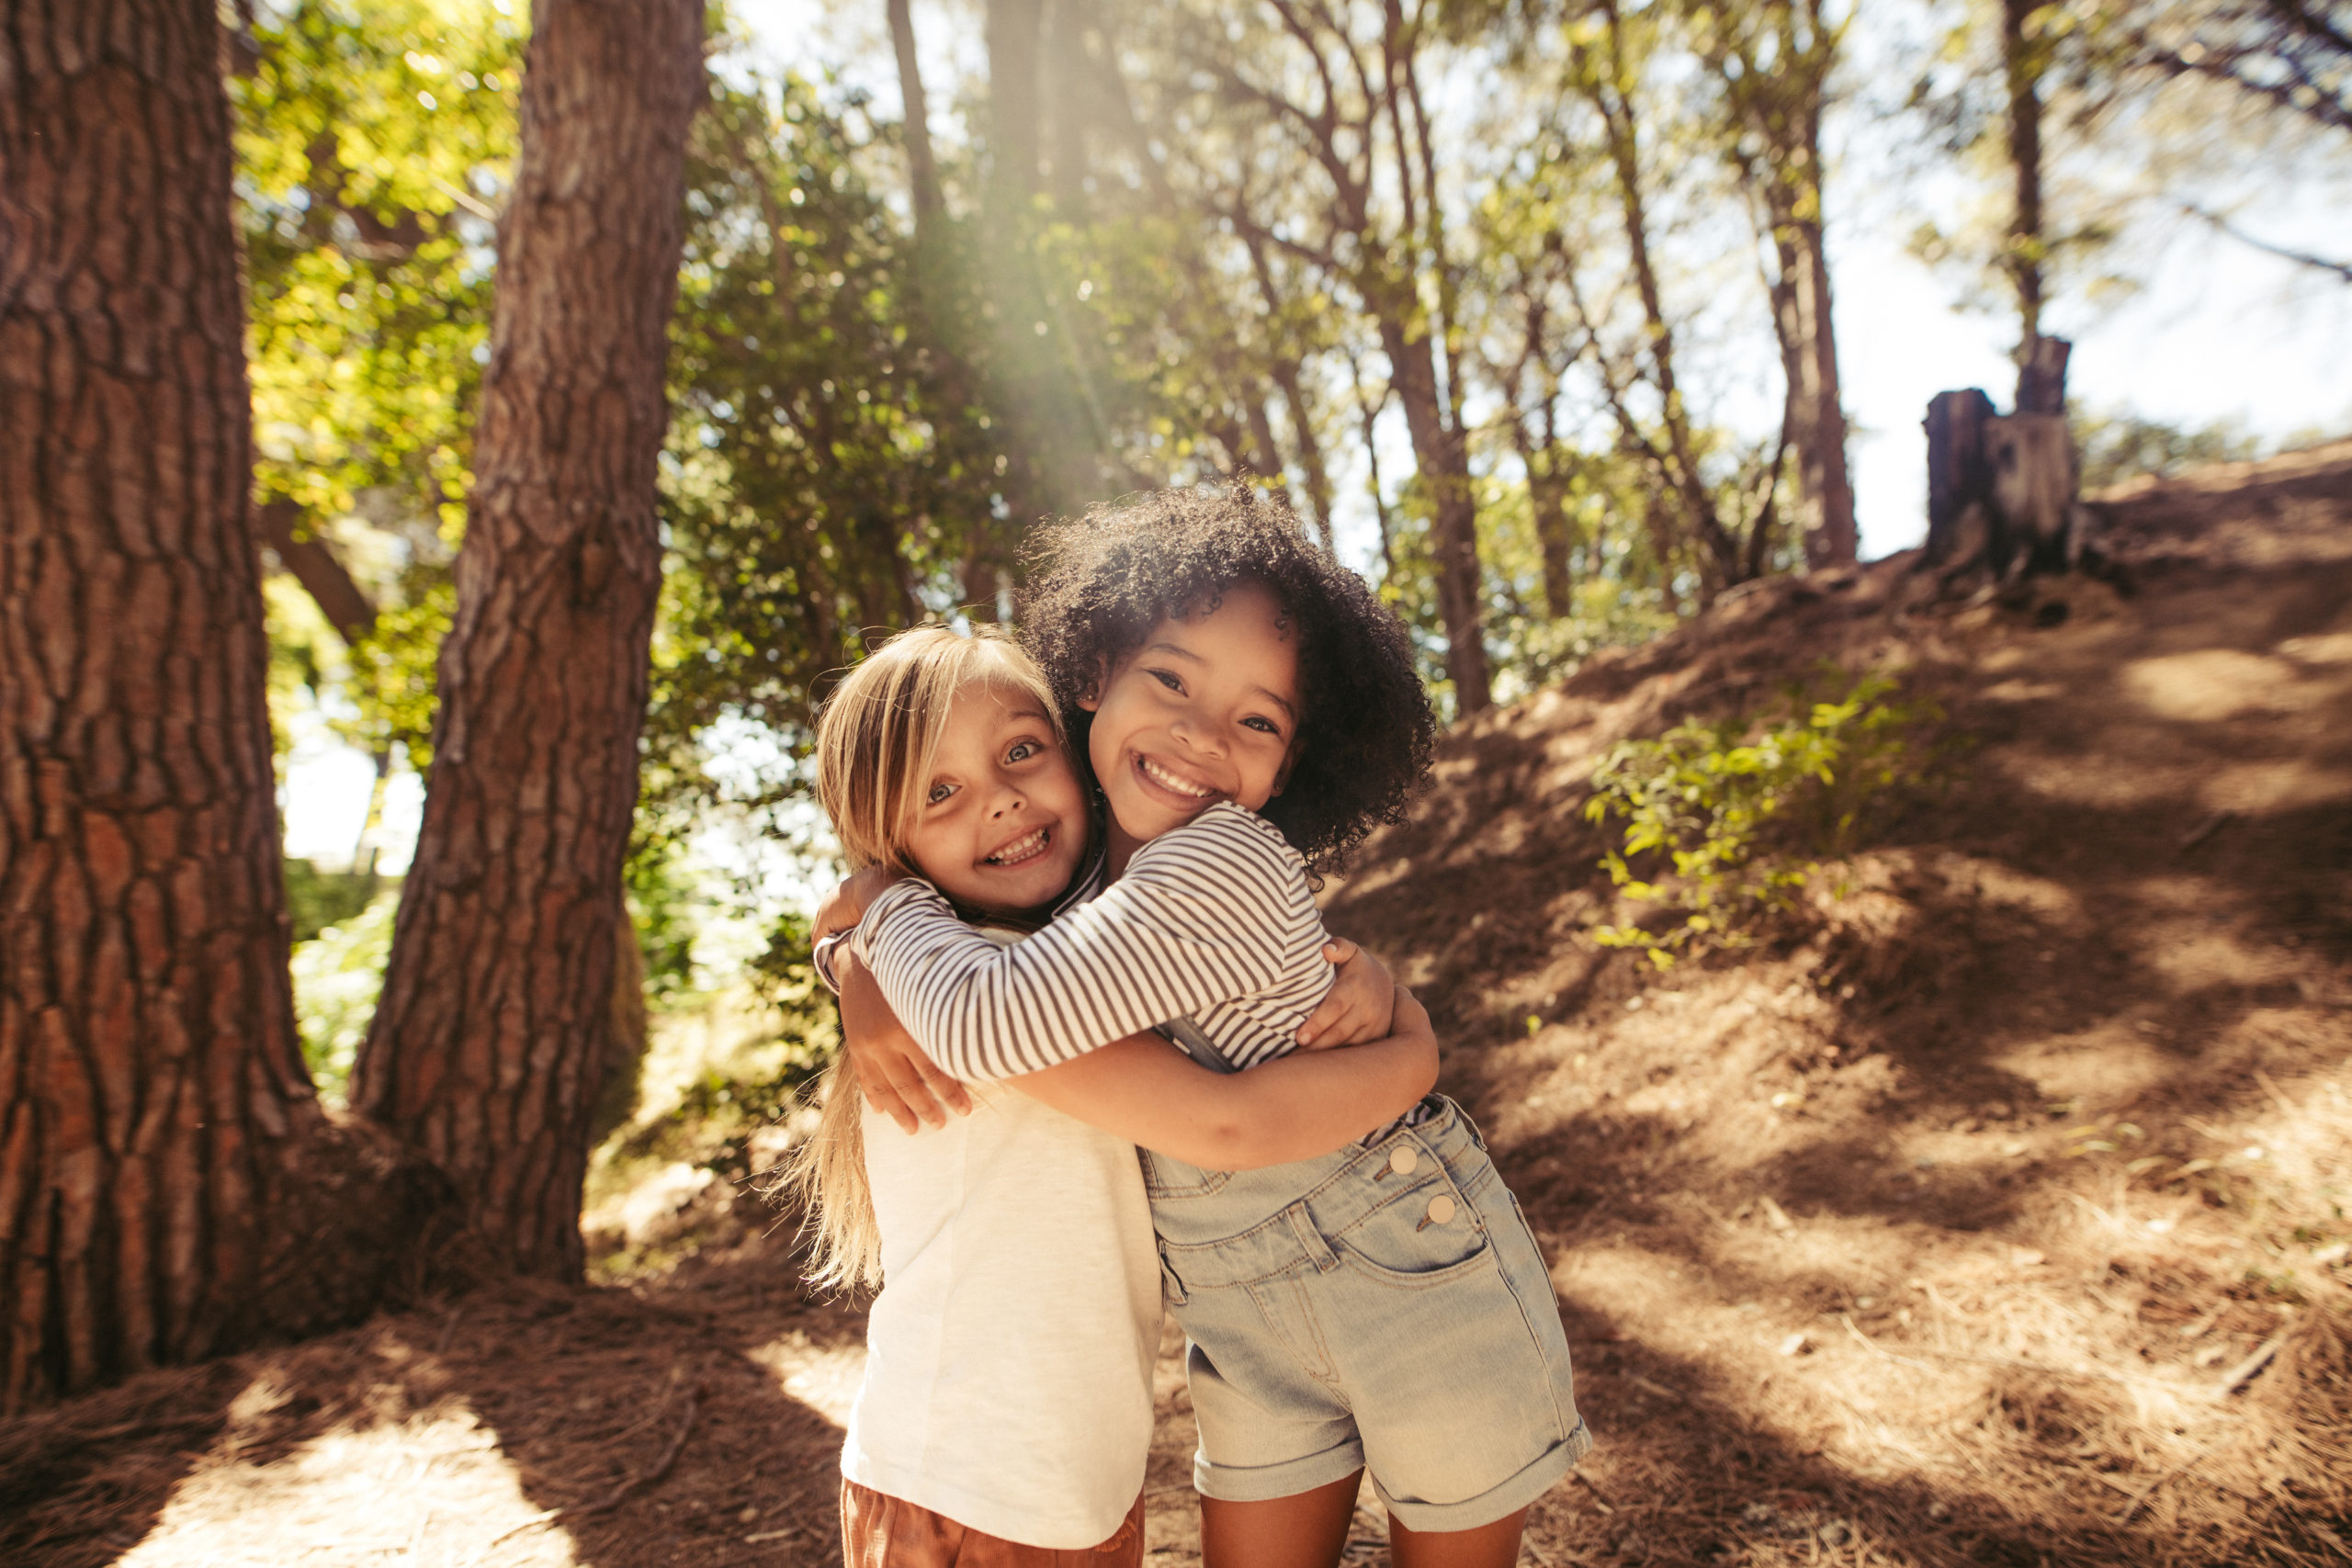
(432, 1489)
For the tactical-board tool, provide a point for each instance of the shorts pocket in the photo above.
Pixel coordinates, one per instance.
(1402, 1245)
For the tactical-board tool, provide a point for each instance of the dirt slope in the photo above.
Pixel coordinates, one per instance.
(1937, 1140)
(1996, 1215)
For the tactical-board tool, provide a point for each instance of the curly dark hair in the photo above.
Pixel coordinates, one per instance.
(1099, 585)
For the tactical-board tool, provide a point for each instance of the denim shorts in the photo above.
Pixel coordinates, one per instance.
(1381, 1307)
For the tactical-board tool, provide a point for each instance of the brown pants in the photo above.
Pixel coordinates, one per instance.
(881, 1531)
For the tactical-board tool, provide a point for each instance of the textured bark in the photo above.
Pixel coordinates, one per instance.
(169, 1187)
(488, 1046)
(1958, 478)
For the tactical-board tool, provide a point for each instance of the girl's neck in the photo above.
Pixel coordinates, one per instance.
(1119, 846)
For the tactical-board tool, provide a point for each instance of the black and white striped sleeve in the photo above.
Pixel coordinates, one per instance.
(1205, 914)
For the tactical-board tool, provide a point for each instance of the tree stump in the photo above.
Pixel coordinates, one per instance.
(1958, 476)
(2001, 487)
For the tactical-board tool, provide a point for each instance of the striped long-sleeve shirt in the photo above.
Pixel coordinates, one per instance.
(1213, 920)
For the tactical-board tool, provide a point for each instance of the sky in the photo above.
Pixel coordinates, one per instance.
(2217, 331)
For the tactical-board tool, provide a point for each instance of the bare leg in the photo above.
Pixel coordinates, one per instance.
(1306, 1529)
(1488, 1546)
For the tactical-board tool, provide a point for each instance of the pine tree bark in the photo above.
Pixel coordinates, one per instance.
(488, 1042)
(169, 1187)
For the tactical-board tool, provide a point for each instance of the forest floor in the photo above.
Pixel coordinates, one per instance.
(1993, 1210)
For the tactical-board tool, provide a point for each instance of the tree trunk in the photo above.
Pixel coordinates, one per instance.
(1443, 457)
(1547, 492)
(2022, 69)
(1832, 538)
(922, 168)
(488, 1046)
(1035, 387)
(169, 1187)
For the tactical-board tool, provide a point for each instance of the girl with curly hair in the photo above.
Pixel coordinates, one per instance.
(1005, 1414)
(1248, 712)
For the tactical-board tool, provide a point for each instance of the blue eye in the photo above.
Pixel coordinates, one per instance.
(939, 792)
(1021, 751)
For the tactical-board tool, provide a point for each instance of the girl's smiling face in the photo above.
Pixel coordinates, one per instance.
(1000, 822)
(1208, 709)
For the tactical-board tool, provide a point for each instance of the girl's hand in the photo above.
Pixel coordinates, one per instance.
(845, 905)
(1361, 1005)
(900, 1081)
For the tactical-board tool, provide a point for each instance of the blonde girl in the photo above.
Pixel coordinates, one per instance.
(1005, 1412)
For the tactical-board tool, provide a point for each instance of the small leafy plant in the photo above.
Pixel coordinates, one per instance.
(1728, 820)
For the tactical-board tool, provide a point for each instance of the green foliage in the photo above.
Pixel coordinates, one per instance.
(825, 472)
(337, 974)
(374, 145)
(316, 900)
(784, 975)
(2119, 445)
(1726, 817)
(1617, 588)
(665, 904)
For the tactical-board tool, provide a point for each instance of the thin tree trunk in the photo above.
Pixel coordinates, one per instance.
(922, 168)
(1012, 31)
(1718, 551)
(1832, 537)
(1546, 504)
(169, 1187)
(2022, 69)
(348, 609)
(1443, 457)
(489, 1045)
(1369, 412)
(1034, 387)
(1777, 106)
(1310, 449)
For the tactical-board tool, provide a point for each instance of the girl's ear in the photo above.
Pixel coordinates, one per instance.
(1282, 777)
(1091, 699)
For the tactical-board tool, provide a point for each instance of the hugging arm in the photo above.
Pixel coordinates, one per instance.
(895, 1075)
(1297, 1106)
(902, 1083)
(1203, 914)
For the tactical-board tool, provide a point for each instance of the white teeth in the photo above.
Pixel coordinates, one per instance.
(1020, 848)
(1160, 775)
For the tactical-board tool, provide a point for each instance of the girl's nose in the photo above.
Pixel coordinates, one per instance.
(1196, 738)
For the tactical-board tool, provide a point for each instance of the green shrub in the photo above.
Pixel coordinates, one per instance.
(336, 975)
(1724, 821)
(316, 900)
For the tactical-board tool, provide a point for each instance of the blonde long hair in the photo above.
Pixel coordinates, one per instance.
(877, 737)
